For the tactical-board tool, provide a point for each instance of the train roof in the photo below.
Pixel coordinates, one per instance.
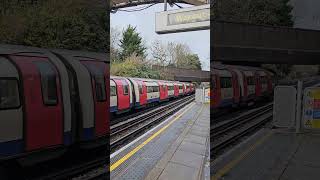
(35, 51)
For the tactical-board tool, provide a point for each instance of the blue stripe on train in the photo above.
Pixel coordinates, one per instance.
(88, 133)
(226, 102)
(153, 100)
(67, 140)
(113, 109)
(11, 148)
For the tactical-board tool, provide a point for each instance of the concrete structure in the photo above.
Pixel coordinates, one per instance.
(306, 14)
(187, 75)
(238, 43)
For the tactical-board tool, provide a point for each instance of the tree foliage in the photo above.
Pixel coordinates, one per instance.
(262, 12)
(133, 66)
(131, 43)
(75, 24)
(175, 55)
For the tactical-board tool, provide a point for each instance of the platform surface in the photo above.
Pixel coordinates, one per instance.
(271, 154)
(176, 149)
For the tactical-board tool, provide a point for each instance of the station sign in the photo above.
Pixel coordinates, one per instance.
(183, 20)
(311, 108)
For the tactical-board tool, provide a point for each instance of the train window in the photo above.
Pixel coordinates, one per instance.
(180, 87)
(125, 89)
(225, 82)
(48, 83)
(113, 91)
(155, 88)
(250, 80)
(140, 89)
(264, 80)
(149, 89)
(97, 72)
(9, 94)
(100, 88)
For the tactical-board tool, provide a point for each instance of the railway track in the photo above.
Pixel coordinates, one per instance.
(84, 171)
(115, 119)
(124, 131)
(226, 133)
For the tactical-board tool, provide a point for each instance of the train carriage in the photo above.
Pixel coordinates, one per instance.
(225, 88)
(40, 107)
(124, 94)
(239, 85)
(89, 82)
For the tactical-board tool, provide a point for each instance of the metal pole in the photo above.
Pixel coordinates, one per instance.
(165, 5)
(298, 106)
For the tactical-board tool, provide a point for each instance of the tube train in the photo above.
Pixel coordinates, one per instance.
(235, 86)
(52, 100)
(134, 93)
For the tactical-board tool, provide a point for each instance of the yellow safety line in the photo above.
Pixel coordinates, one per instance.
(234, 162)
(127, 156)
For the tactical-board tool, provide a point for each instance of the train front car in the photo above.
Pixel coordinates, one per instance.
(225, 88)
(35, 104)
(88, 75)
(122, 99)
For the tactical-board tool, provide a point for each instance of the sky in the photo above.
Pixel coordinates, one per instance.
(144, 21)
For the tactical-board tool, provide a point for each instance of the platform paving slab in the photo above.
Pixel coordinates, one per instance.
(189, 157)
(283, 156)
(154, 157)
(174, 171)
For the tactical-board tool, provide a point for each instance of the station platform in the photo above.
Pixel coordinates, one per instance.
(271, 154)
(176, 149)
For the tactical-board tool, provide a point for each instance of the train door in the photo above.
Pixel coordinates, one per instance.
(99, 75)
(216, 91)
(226, 90)
(258, 84)
(162, 90)
(43, 114)
(176, 90)
(236, 87)
(113, 97)
(142, 93)
(123, 94)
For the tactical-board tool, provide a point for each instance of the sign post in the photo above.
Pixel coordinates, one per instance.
(311, 108)
(183, 20)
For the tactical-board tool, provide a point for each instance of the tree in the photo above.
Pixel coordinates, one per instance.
(114, 41)
(185, 59)
(76, 24)
(261, 12)
(131, 43)
(159, 53)
(134, 66)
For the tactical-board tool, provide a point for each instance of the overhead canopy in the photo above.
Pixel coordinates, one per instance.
(236, 43)
(130, 3)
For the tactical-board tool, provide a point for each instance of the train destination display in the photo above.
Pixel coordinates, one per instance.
(183, 20)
